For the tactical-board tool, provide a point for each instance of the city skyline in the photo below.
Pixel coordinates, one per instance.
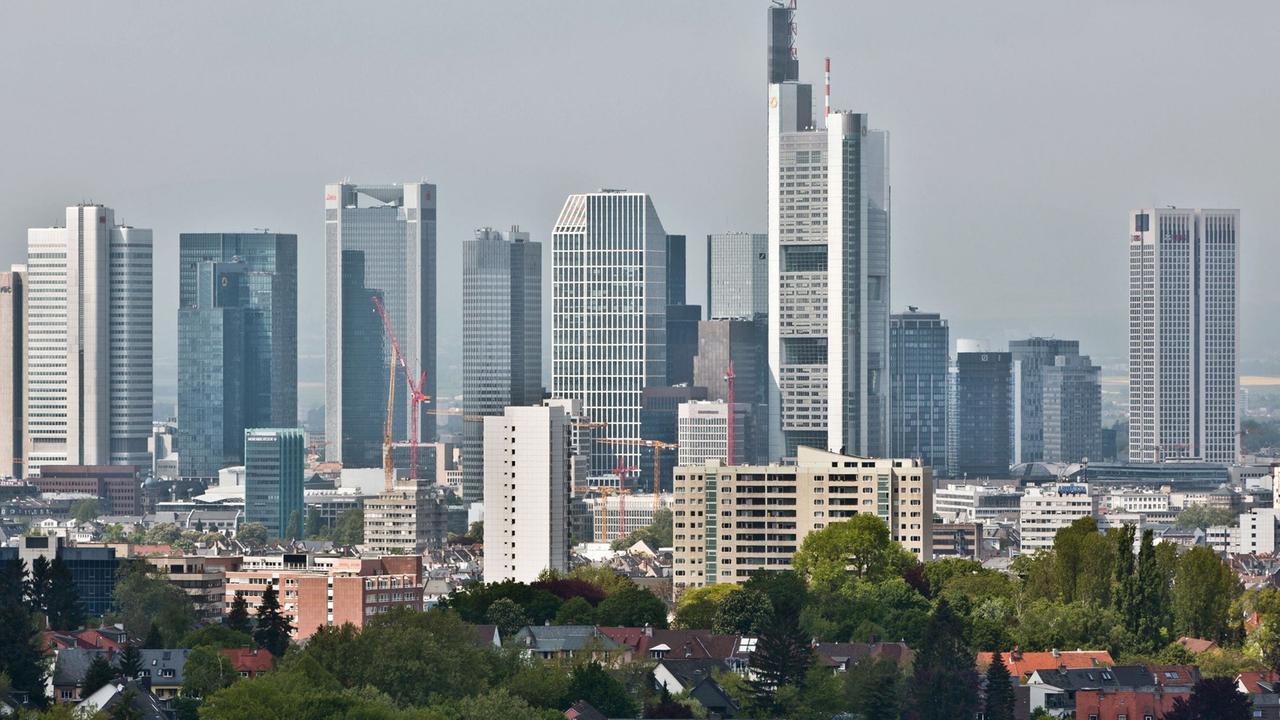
(1024, 200)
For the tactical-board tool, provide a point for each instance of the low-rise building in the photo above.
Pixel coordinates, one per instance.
(408, 519)
(204, 583)
(1046, 509)
(117, 487)
(967, 502)
(958, 540)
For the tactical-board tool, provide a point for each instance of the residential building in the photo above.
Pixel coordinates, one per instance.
(88, 342)
(565, 642)
(162, 671)
(703, 431)
(1072, 410)
(737, 275)
(741, 343)
(609, 312)
(405, 520)
(117, 487)
(527, 480)
(13, 371)
(1184, 334)
(958, 540)
(828, 215)
(960, 502)
(919, 344)
(273, 467)
(237, 343)
(981, 437)
(774, 507)
(1255, 534)
(204, 583)
(501, 337)
(1046, 509)
(380, 242)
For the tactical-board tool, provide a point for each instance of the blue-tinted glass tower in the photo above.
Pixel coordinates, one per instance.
(273, 465)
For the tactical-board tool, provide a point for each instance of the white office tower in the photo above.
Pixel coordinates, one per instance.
(828, 203)
(702, 431)
(1184, 339)
(526, 493)
(89, 341)
(608, 313)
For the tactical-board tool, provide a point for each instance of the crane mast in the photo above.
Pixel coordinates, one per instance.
(416, 397)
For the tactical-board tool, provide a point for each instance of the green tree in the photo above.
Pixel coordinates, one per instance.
(787, 591)
(657, 534)
(206, 672)
(697, 607)
(782, 657)
(85, 510)
(130, 661)
(1151, 596)
(591, 682)
(349, 529)
(1212, 699)
(861, 545)
(313, 531)
(665, 706)
(575, 611)
(541, 684)
(163, 534)
(746, 612)
(253, 534)
(100, 673)
(1084, 562)
(1203, 516)
(475, 531)
(62, 603)
(507, 615)
(38, 583)
(945, 682)
(238, 616)
(875, 689)
(300, 690)
(216, 636)
(1202, 593)
(293, 528)
(632, 607)
(144, 597)
(272, 629)
(155, 639)
(999, 700)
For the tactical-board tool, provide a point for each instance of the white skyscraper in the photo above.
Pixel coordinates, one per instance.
(1184, 339)
(828, 203)
(526, 493)
(89, 341)
(609, 313)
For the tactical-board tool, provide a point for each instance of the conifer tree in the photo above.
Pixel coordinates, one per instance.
(238, 617)
(273, 628)
(999, 703)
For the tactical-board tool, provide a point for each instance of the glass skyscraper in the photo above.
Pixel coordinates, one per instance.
(237, 343)
(919, 344)
(737, 275)
(273, 469)
(501, 337)
(380, 240)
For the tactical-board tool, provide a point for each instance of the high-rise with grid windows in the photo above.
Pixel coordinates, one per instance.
(1184, 339)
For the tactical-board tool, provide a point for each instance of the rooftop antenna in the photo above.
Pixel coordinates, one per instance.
(826, 99)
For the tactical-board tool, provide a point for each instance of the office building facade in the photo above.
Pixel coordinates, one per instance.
(737, 275)
(13, 372)
(919, 346)
(682, 342)
(380, 241)
(828, 210)
(1030, 358)
(527, 483)
(743, 343)
(89, 342)
(703, 432)
(659, 420)
(982, 422)
(1184, 334)
(501, 337)
(609, 312)
(1072, 410)
(273, 476)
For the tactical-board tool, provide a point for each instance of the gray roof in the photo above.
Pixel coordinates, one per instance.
(558, 638)
(71, 664)
(1120, 676)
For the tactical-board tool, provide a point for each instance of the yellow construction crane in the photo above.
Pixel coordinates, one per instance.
(658, 446)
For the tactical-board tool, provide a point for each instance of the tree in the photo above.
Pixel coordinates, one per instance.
(746, 612)
(575, 611)
(253, 534)
(216, 636)
(783, 656)
(875, 689)
(861, 545)
(21, 652)
(144, 597)
(1202, 593)
(100, 673)
(591, 682)
(272, 629)
(1151, 596)
(1212, 699)
(475, 532)
(163, 534)
(349, 529)
(786, 589)
(632, 607)
(666, 707)
(313, 524)
(130, 661)
(945, 682)
(85, 510)
(698, 606)
(999, 702)
(293, 528)
(206, 672)
(1203, 516)
(154, 640)
(508, 616)
(238, 616)
(1084, 562)
(62, 603)
(657, 534)
(38, 583)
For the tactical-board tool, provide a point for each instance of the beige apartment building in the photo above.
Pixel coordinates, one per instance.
(731, 521)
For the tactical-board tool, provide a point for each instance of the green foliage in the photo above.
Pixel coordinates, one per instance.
(1212, 699)
(61, 604)
(540, 684)
(1085, 561)
(575, 611)
(154, 640)
(100, 673)
(494, 704)
(783, 657)
(313, 530)
(999, 690)
(787, 591)
(632, 607)
(349, 529)
(1203, 589)
(300, 690)
(163, 534)
(144, 597)
(657, 535)
(861, 545)
(875, 689)
(130, 661)
(293, 528)
(272, 629)
(697, 607)
(863, 610)
(666, 706)
(591, 682)
(940, 572)
(472, 601)
(1227, 662)
(216, 636)
(207, 671)
(602, 576)
(508, 616)
(253, 534)
(1203, 516)
(238, 616)
(475, 531)
(85, 510)
(1045, 625)
(746, 612)
(945, 684)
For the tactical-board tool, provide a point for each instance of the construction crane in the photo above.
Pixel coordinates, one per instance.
(728, 435)
(658, 446)
(620, 470)
(416, 397)
(388, 464)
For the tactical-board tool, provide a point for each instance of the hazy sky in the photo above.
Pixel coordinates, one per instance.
(1021, 132)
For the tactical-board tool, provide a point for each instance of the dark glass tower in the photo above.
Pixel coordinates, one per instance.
(273, 466)
(918, 349)
(983, 415)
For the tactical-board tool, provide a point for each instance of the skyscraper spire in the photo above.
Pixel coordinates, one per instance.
(826, 88)
(783, 64)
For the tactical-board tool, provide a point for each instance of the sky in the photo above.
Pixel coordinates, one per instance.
(1021, 134)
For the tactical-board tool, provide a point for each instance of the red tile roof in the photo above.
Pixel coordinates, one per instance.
(248, 660)
(1195, 646)
(1249, 681)
(1021, 664)
(681, 644)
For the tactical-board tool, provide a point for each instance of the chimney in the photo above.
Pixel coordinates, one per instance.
(1055, 653)
(1015, 654)
(648, 630)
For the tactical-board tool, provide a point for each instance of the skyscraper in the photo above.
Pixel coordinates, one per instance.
(828, 206)
(13, 371)
(1072, 402)
(737, 275)
(1030, 358)
(501, 337)
(919, 344)
(380, 241)
(982, 415)
(1184, 339)
(273, 463)
(742, 342)
(89, 330)
(676, 270)
(526, 477)
(609, 312)
(237, 343)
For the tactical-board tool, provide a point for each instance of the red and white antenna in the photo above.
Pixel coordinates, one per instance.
(826, 101)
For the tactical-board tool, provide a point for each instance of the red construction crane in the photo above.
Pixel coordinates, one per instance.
(416, 397)
(728, 377)
(620, 470)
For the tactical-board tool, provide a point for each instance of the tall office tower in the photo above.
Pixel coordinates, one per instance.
(919, 344)
(703, 432)
(1184, 334)
(659, 412)
(983, 407)
(737, 275)
(89, 332)
(380, 241)
(682, 342)
(501, 337)
(676, 270)
(742, 342)
(828, 201)
(273, 464)
(526, 478)
(1072, 402)
(237, 343)
(13, 371)
(1030, 358)
(609, 312)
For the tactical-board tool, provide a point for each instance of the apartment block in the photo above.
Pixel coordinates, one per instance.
(1048, 508)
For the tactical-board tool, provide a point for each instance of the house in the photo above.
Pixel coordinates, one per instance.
(161, 668)
(657, 644)
(1022, 664)
(841, 656)
(1195, 646)
(110, 637)
(112, 698)
(1263, 688)
(695, 678)
(566, 641)
(582, 710)
(1101, 693)
(488, 636)
(249, 662)
(1127, 704)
